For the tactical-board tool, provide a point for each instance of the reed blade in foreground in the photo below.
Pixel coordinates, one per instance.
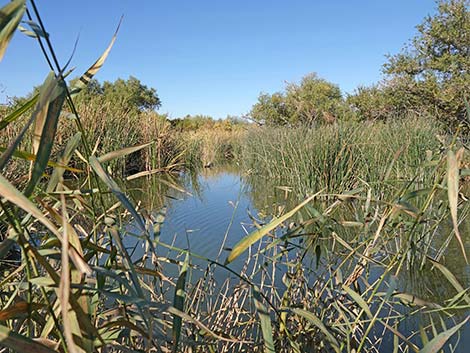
(10, 17)
(453, 194)
(258, 234)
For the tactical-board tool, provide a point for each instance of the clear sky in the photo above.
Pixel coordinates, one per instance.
(214, 57)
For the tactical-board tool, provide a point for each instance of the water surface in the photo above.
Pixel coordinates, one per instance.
(219, 208)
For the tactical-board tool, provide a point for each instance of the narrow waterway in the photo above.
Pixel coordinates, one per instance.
(218, 208)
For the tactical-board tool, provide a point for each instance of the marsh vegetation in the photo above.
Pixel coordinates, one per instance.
(347, 228)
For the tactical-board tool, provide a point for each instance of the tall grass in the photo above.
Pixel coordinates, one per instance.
(113, 129)
(70, 283)
(217, 145)
(109, 130)
(343, 156)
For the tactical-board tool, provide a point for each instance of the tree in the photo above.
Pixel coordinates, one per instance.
(272, 110)
(370, 103)
(123, 95)
(312, 100)
(389, 99)
(434, 70)
(131, 95)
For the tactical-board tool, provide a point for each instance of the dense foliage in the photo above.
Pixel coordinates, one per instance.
(129, 95)
(312, 100)
(198, 122)
(431, 76)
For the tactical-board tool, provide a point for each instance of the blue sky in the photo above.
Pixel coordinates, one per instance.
(215, 57)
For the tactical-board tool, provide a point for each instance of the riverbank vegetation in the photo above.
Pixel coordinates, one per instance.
(336, 158)
(378, 175)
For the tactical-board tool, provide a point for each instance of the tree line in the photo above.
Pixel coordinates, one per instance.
(430, 76)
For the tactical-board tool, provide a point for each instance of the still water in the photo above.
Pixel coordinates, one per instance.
(218, 208)
(206, 213)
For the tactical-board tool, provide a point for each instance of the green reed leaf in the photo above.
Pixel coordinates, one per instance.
(266, 326)
(13, 116)
(178, 303)
(13, 195)
(121, 153)
(312, 318)
(435, 345)
(423, 335)
(31, 157)
(452, 279)
(359, 300)
(85, 79)
(51, 100)
(246, 242)
(49, 92)
(453, 195)
(10, 17)
(98, 168)
(36, 30)
(27, 32)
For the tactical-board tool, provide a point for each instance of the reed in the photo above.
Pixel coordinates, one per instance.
(342, 156)
(71, 282)
(215, 145)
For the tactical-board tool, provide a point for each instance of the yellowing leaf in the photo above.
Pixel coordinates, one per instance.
(453, 194)
(438, 342)
(246, 242)
(88, 75)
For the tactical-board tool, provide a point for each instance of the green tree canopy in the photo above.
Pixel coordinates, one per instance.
(441, 48)
(272, 109)
(131, 94)
(312, 100)
(393, 98)
(192, 122)
(434, 69)
(125, 95)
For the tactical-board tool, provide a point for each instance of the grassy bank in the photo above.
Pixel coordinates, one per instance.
(344, 156)
(168, 147)
(71, 282)
(206, 147)
(107, 129)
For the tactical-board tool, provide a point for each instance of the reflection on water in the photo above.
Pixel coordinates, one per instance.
(208, 218)
(218, 209)
(218, 204)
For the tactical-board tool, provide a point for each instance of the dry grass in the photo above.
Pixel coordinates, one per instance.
(71, 284)
(211, 146)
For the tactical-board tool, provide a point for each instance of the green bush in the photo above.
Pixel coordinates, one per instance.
(431, 76)
(311, 101)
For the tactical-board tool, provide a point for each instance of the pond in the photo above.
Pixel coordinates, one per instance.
(209, 212)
